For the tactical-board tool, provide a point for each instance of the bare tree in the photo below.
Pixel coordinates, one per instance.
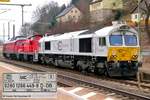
(130, 6)
(146, 11)
(26, 30)
(45, 17)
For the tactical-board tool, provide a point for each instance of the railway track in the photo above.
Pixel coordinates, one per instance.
(125, 90)
(108, 89)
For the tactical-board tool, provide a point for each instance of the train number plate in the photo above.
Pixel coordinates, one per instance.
(29, 85)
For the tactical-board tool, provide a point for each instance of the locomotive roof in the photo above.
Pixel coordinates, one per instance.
(62, 36)
(70, 34)
(104, 31)
(87, 33)
(15, 39)
(34, 36)
(110, 29)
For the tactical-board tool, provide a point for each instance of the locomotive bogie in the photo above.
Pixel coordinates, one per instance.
(122, 68)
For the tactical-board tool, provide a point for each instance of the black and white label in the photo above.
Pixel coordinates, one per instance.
(28, 85)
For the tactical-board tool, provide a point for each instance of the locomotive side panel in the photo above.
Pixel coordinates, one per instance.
(61, 46)
(35, 43)
(101, 46)
(19, 46)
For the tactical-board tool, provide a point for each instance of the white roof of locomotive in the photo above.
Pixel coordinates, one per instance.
(69, 35)
(46, 38)
(62, 36)
(108, 30)
(77, 34)
(104, 31)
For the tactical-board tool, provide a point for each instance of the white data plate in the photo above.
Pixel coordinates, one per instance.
(29, 85)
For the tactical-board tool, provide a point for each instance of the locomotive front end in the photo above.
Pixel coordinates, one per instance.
(124, 52)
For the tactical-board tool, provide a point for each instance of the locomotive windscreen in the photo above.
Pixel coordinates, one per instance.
(116, 40)
(130, 40)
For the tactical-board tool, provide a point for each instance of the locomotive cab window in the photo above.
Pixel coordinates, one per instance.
(130, 40)
(116, 40)
(85, 45)
(102, 41)
(47, 46)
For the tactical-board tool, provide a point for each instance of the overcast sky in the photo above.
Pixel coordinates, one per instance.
(13, 15)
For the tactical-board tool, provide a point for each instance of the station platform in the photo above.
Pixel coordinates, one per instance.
(63, 93)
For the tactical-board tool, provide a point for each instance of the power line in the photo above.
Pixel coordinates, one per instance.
(16, 4)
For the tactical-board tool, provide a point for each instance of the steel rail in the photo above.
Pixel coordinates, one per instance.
(108, 88)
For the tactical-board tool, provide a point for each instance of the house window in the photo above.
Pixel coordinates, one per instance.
(136, 16)
(102, 41)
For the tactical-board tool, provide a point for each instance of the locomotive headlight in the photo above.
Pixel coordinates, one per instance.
(134, 57)
(113, 57)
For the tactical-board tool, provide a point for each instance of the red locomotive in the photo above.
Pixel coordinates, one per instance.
(31, 47)
(10, 48)
(22, 48)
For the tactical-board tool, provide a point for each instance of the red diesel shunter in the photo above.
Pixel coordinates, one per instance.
(31, 47)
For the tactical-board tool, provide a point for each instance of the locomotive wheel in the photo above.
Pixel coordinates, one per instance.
(56, 63)
(80, 68)
(76, 68)
(99, 71)
(88, 70)
(96, 70)
(108, 74)
(47, 61)
(31, 59)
